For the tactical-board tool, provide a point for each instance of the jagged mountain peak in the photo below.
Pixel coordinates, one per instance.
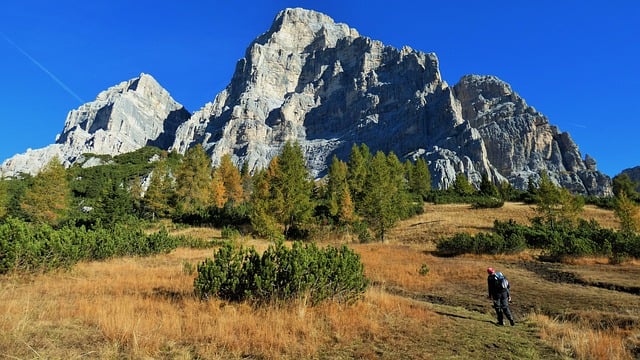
(125, 117)
(320, 83)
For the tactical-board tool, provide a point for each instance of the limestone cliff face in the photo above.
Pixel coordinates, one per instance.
(519, 140)
(311, 80)
(320, 83)
(121, 119)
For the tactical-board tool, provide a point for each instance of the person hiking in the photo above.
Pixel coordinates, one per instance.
(500, 293)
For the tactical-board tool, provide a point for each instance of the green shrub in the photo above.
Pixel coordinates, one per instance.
(281, 274)
(37, 247)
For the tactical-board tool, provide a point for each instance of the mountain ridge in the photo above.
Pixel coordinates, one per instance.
(322, 84)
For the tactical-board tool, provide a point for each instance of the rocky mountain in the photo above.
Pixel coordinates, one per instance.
(322, 84)
(121, 119)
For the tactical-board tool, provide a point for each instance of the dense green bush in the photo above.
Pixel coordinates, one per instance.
(587, 238)
(280, 273)
(481, 243)
(39, 247)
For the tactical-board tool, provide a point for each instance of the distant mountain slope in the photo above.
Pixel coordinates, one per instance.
(322, 84)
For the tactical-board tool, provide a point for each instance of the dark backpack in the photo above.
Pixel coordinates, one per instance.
(501, 281)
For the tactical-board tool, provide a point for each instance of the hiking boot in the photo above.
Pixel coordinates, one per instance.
(512, 322)
(500, 324)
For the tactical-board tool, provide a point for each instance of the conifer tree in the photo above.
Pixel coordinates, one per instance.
(379, 202)
(487, 187)
(295, 185)
(282, 194)
(157, 198)
(623, 183)
(462, 186)
(193, 181)
(218, 193)
(556, 205)
(4, 198)
(266, 202)
(49, 197)
(338, 193)
(420, 178)
(231, 179)
(627, 213)
(359, 162)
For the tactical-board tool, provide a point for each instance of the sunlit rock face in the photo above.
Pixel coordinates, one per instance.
(121, 119)
(321, 84)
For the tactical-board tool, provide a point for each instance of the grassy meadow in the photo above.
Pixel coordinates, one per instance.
(419, 306)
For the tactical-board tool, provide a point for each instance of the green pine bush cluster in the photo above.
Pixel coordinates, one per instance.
(587, 238)
(281, 274)
(39, 247)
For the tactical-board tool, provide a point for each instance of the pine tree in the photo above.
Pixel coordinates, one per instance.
(193, 181)
(487, 187)
(461, 185)
(49, 197)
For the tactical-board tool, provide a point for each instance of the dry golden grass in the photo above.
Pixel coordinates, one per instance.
(141, 308)
(582, 342)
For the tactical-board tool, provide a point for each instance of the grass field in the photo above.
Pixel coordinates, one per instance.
(143, 308)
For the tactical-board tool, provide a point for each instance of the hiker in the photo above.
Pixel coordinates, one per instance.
(500, 293)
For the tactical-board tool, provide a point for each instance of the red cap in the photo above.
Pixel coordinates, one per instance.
(490, 270)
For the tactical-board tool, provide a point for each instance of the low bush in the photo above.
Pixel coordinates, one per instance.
(280, 274)
(39, 247)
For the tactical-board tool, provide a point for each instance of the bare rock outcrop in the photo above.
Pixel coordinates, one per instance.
(519, 140)
(121, 119)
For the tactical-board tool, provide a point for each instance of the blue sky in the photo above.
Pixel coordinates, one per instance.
(574, 61)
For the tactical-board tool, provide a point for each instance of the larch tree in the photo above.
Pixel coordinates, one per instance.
(157, 198)
(627, 213)
(193, 181)
(231, 179)
(556, 205)
(295, 184)
(419, 178)
(48, 199)
(379, 202)
(266, 202)
(338, 194)
(358, 164)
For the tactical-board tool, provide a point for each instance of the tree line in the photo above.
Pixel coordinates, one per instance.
(366, 194)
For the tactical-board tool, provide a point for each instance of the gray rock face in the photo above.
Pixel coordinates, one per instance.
(322, 84)
(121, 119)
(519, 140)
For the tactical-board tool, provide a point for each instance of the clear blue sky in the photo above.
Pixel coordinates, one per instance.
(574, 61)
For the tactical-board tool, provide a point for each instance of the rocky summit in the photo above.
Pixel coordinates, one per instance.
(320, 83)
